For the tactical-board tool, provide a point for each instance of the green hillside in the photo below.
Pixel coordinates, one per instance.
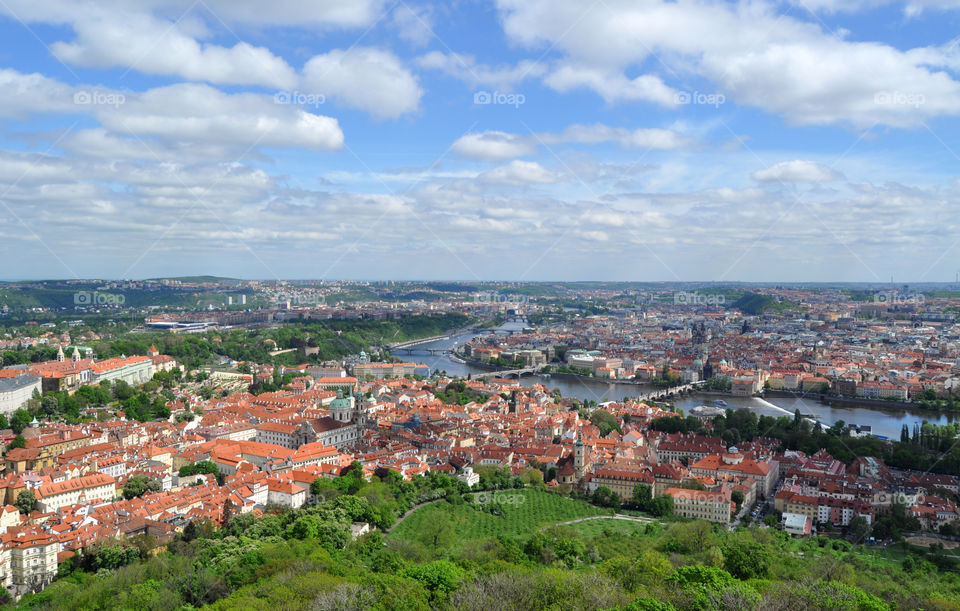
(499, 553)
(756, 303)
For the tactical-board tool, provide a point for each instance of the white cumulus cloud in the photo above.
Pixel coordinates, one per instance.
(364, 78)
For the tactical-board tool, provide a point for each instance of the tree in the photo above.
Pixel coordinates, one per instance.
(229, 510)
(18, 442)
(838, 429)
(642, 494)
(858, 529)
(605, 421)
(322, 489)
(439, 532)
(737, 497)
(137, 485)
(439, 577)
(604, 497)
(351, 479)
(661, 506)
(122, 391)
(49, 406)
(21, 420)
(696, 536)
(306, 527)
(532, 476)
(26, 501)
(746, 559)
(203, 466)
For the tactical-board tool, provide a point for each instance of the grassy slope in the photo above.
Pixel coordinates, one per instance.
(533, 509)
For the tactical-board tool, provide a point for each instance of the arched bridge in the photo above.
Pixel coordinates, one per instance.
(507, 373)
(668, 393)
(415, 342)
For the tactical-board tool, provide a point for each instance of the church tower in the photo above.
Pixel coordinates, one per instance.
(60, 356)
(361, 410)
(580, 456)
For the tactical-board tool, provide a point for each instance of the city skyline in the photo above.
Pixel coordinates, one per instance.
(802, 141)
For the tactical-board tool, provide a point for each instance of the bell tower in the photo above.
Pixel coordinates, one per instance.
(580, 455)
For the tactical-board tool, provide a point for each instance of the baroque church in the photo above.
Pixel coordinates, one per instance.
(343, 427)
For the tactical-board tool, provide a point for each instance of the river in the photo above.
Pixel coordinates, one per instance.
(885, 422)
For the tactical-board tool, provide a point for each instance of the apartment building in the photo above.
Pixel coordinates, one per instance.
(281, 434)
(621, 482)
(735, 464)
(713, 506)
(33, 557)
(87, 489)
(379, 371)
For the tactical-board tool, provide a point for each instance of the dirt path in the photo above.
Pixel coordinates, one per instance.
(411, 510)
(618, 516)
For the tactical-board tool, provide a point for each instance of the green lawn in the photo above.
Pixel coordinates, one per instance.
(524, 512)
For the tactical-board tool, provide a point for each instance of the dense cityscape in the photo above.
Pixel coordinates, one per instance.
(128, 428)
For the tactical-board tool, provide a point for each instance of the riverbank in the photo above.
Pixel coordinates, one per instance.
(881, 404)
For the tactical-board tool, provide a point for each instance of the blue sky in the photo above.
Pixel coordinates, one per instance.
(517, 139)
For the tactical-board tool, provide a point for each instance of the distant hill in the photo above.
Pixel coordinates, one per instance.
(756, 304)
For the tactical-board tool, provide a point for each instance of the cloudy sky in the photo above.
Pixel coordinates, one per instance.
(511, 139)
